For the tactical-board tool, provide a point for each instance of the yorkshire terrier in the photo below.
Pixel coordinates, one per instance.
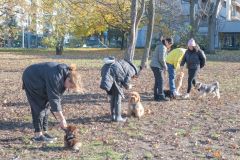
(71, 138)
(135, 107)
(205, 89)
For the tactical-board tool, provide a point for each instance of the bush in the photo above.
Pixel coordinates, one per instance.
(49, 42)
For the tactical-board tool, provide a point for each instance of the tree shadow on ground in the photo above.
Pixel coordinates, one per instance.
(84, 98)
(15, 104)
(47, 148)
(89, 120)
(12, 125)
(231, 130)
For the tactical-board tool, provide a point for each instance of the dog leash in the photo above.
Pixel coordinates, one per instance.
(57, 119)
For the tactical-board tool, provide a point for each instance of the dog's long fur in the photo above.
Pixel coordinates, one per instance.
(179, 81)
(71, 138)
(135, 107)
(205, 89)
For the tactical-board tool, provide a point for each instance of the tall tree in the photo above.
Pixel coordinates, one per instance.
(147, 48)
(135, 20)
(212, 21)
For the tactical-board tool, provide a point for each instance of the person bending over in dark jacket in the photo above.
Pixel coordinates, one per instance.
(115, 75)
(195, 59)
(44, 83)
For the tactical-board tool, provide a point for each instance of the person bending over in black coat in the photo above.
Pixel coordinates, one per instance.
(115, 75)
(44, 84)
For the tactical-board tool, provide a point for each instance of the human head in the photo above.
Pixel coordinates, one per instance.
(73, 81)
(168, 42)
(192, 44)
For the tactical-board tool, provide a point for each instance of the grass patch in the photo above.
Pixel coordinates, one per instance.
(148, 155)
(96, 150)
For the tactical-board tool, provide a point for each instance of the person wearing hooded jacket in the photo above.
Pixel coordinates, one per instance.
(195, 59)
(116, 74)
(159, 67)
(44, 83)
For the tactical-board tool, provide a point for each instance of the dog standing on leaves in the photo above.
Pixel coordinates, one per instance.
(205, 89)
(179, 81)
(71, 138)
(135, 107)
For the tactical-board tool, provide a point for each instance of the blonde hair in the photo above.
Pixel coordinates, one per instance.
(75, 78)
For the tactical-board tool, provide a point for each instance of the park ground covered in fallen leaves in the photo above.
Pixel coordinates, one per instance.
(180, 129)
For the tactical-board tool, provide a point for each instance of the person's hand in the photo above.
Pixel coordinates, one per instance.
(63, 123)
(130, 86)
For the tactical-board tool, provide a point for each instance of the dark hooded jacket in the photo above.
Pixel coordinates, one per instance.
(118, 73)
(45, 82)
(195, 59)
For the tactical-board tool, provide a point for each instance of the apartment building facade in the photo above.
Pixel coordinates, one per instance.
(227, 35)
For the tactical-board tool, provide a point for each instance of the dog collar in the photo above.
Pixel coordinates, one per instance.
(71, 136)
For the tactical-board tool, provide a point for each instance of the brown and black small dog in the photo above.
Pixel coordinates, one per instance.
(135, 107)
(71, 138)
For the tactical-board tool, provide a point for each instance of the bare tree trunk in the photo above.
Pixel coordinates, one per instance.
(128, 55)
(135, 20)
(192, 18)
(212, 19)
(147, 48)
(59, 47)
(139, 16)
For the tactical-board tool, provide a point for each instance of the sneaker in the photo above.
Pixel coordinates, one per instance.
(50, 137)
(42, 138)
(186, 96)
(162, 99)
(176, 94)
(120, 119)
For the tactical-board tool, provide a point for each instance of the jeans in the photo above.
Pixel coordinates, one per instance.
(192, 74)
(171, 78)
(159, 81)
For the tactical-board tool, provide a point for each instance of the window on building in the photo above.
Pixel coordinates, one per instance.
(230, 40)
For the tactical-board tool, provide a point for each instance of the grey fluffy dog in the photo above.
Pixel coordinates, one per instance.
(205, 89)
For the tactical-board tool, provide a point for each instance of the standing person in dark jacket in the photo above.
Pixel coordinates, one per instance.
(115, 75)
(159, 67)
(44, 83)
(195, 59)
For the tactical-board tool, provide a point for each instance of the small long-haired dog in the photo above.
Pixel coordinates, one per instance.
(135, 107)
(205, 89)
(179, 81)
(71, 138)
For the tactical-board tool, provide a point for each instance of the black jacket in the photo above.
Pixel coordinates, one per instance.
(45, 81)
(119, 74)
(194, 59)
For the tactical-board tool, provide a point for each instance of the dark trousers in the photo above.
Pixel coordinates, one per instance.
(192, 74)
(39, 110)
(159, 81)
(115, 103)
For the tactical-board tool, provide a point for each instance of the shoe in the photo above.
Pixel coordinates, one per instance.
(162, 99)
(50, 137)
(120, 119)
(186, 96)
(176, 94)
(42, 138)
